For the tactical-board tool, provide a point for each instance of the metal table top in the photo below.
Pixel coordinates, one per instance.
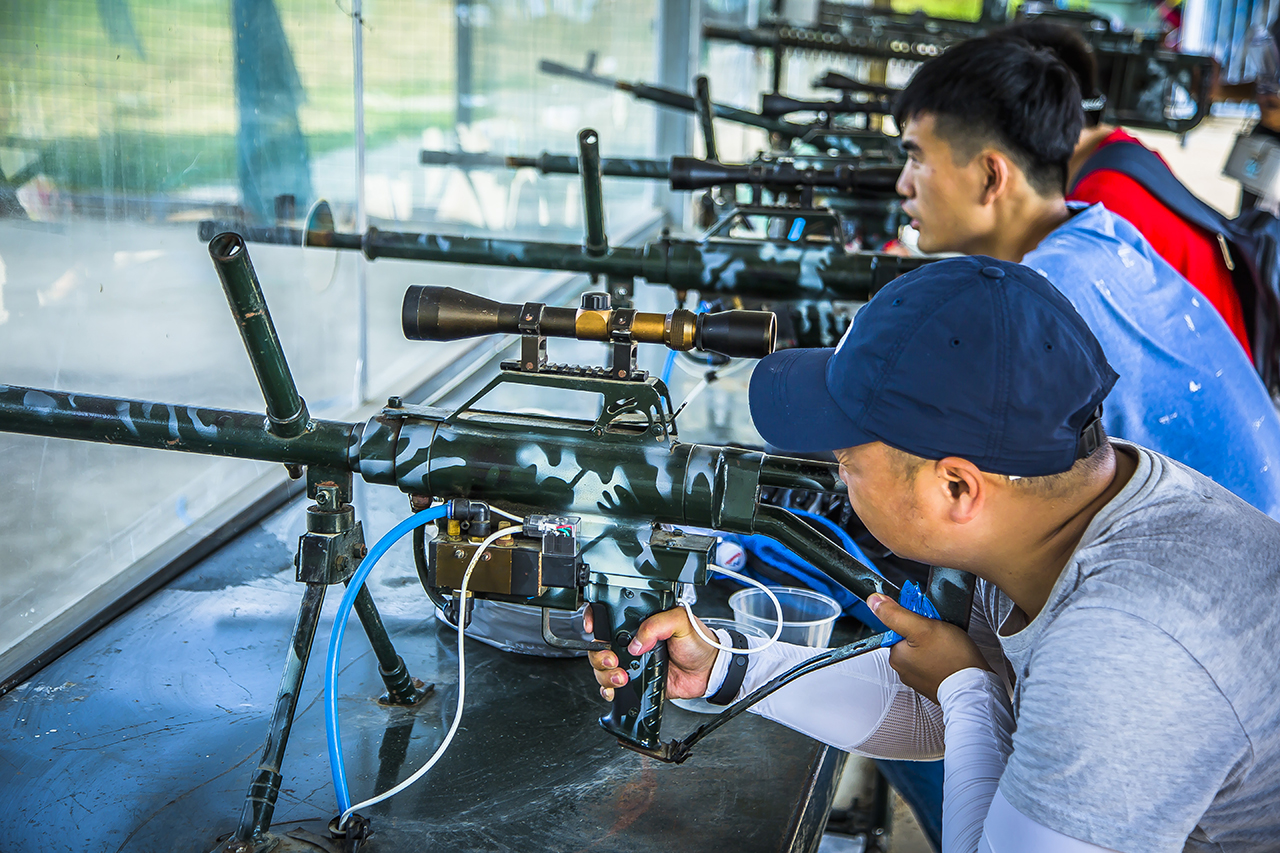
(143, 737)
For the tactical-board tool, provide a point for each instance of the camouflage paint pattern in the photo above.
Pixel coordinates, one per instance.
(625, 475)
(747, 268)
(137, 423)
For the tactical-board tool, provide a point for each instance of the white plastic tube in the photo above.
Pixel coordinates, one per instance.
(777, 630)
(462, 686)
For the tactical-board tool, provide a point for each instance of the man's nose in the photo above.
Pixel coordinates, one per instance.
(904, 186)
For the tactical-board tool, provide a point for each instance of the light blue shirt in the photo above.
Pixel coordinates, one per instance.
(1186, 387)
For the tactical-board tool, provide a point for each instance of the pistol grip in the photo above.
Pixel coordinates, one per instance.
(636, 714)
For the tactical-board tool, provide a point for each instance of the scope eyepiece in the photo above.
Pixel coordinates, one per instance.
(737, 334)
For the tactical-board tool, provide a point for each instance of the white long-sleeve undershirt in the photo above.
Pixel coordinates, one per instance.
(858, 705)
(979, 731)
(861, 705)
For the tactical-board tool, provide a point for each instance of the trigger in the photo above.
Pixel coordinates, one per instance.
(600, 621)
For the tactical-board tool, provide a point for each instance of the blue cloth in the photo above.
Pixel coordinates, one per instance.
(915, 601)
(1186, 387)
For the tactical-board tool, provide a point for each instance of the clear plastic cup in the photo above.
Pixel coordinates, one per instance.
(807, 616)
(700, 705)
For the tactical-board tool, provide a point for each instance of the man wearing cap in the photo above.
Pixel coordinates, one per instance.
(1115, 689)
(989, 128)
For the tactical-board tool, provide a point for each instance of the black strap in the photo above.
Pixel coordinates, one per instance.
(737, 672)
(1145, 166)
(1091, 435)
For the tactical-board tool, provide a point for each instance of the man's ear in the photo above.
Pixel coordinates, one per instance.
(997, 172)
(964, 489)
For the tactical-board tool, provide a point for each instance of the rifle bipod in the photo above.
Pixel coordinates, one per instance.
(328, 553)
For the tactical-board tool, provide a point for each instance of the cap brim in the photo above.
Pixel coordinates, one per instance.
(792, 408)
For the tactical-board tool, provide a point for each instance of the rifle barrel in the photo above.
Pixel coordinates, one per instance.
(775, 105)
(750, 268)
(674, 100)
(547, 164)
(596, 242)
(138, 423)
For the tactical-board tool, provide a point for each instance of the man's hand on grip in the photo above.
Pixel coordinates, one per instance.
(689, 658)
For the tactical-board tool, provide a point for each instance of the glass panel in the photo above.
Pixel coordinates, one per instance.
(508, 108)
(125, 122)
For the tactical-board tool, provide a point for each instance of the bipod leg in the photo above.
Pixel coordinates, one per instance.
(260, 803)
(328, 553)
(402, 689)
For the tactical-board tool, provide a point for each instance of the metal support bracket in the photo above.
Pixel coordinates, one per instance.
(328, 553)
(622, 346)
(622, 290)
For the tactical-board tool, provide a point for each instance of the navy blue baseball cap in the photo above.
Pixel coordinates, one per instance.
(970, 357)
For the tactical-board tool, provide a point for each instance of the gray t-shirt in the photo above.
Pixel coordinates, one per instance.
(1147, 691)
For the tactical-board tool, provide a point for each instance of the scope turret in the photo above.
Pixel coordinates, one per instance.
(436, 313)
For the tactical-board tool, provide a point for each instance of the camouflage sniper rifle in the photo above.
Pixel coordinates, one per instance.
(1138, 75)
(598, 498)
(823, 135)
(859, 196)
(773, 172)
(862, 185)
(803, 263)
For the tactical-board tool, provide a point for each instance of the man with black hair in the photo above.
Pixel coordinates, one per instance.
(1190, 249)
(989, 128)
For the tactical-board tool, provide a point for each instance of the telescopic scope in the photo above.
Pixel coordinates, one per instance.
(691, 173)
(775, 106)
(435, 313)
